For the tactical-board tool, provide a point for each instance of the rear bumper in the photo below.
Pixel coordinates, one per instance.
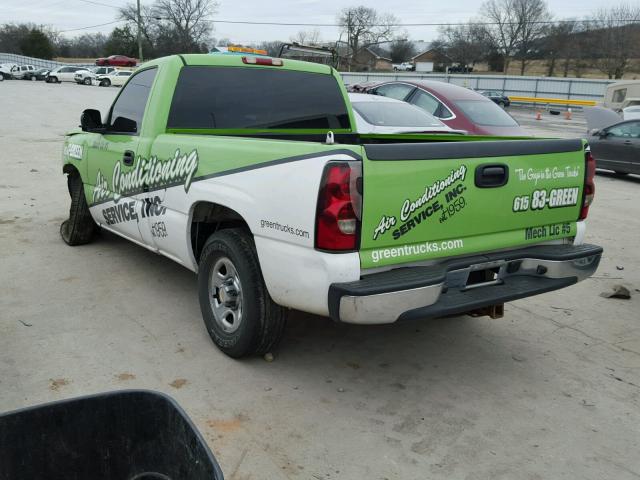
(439, 290)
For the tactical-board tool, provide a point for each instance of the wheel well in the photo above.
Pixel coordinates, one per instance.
(70, 169)
(207, 219)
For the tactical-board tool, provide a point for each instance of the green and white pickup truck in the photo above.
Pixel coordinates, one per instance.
(248, 171)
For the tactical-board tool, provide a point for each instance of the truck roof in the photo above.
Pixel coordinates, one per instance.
(205, 59)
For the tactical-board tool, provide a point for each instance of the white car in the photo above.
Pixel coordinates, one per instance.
(404, 67)
(631, 113)
(87, 75)
(377, 114)
(22, 71)
(63, 74)
(117, 78)
(5, 70)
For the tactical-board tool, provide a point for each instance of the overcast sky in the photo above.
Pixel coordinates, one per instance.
(71, 14)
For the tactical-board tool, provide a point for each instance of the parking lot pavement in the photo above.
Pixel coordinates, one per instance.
(557, 126)
(550, 391)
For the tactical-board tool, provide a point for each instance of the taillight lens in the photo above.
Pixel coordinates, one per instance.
(589, 189)
(339, 207)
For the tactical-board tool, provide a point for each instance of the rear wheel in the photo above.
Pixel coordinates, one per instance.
(240, 316)
(79, 228)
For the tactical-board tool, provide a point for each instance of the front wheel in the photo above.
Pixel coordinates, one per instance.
(79, 228)
(87, 81)
(53, 80)
(240, 316)
(105, 83)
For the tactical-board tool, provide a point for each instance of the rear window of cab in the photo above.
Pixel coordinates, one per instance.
(256, 98)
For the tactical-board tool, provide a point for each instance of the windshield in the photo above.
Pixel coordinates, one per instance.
(482, 112)
(393, 114)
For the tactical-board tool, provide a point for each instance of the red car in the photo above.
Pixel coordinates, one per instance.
(117, 61)
(457, 107)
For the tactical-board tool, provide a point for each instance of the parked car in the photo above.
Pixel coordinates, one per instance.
(376, 114)
(86, 76)
(22, 71)
(5, 70)
(116, 78)
(404, 67)
(62, 74)
(365, 230)
(631, 113)
(617, 147)
(458, 107)
(496, 97)
(39, 74)
(117, 61)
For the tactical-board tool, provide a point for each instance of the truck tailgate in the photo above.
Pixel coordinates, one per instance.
(424, 201)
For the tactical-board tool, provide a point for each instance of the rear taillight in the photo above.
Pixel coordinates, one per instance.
(589, 189)
(339, 207)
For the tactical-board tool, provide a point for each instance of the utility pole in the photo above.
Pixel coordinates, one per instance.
(349, 58)
(139, 36)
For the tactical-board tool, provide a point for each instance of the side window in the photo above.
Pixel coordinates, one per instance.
(132, 100)
(426, 102)
(619, 95)
(631, 129)
(431, 105)
(399, 91)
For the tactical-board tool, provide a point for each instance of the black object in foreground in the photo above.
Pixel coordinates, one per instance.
(124, 435)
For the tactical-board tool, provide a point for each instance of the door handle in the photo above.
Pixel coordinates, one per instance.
(127, 158)
(491, 175)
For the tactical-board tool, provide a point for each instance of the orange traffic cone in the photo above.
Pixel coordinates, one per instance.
(567, 114)
(538, 115)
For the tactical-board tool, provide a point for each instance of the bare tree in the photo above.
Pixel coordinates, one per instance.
(401, 50)
(614, 38)
(530, 16)
(559, 44)
(307, 37)
(505, 30)
(363, 27)
(465, 44)
(129, 13)
(272, 47)
(186, 21)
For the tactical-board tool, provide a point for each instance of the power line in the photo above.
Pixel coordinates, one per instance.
(101, 4)
(90, 26)
(430, 24)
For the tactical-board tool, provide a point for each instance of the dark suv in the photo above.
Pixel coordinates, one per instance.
(497, 97)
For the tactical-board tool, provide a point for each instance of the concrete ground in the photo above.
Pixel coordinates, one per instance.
(551, 391)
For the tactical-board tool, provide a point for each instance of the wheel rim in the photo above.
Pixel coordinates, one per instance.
(225, 295)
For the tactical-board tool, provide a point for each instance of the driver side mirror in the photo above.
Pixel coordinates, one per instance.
(90, 120)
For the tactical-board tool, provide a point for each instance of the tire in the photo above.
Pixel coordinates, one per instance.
(87, 81)
(255, 324)
(53, 80)
(80, 227)
(105, 82)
